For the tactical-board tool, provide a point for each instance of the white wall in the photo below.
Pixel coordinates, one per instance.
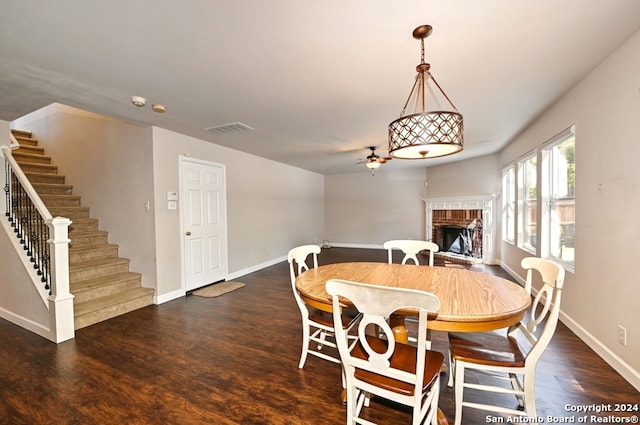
(472, 177)
(271, 207)
(365, 210)
(604, 291)
(108, 162)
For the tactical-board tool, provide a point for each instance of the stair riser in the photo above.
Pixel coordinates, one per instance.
(26, 141)
(34, 150)
(28, 167)
(54, 189)
(91, 273)
(28, 158)
(77, 212)
(46, 178)
(94, 254)
(102, 291)
(83, 226)
(60, 201)
(112, 311)
(80, 241)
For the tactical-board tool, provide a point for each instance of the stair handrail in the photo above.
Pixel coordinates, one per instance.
(26, 184)
(60, 300)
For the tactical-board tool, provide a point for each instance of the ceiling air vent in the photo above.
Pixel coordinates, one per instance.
(224, 129)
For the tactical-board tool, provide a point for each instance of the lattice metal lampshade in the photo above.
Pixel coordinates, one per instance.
(425, 134)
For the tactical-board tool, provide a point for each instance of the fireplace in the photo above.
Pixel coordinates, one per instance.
(462, 227)
(451, 240)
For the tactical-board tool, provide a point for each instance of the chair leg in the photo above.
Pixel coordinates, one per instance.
(452, 370)
(305, 345)
(517, 386)
(459, 388)
(529, 395)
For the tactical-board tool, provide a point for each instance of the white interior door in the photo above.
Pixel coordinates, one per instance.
(204, 224)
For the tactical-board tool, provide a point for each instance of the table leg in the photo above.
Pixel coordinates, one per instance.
(399, 328)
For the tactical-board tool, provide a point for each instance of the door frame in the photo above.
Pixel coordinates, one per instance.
(183, 159)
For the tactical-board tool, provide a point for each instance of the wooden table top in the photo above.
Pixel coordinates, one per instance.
(469, 301)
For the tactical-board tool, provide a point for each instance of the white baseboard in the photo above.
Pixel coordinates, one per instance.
(23, 322)
(160, 299)
(622, 367)
(355, 245)
(240, 273)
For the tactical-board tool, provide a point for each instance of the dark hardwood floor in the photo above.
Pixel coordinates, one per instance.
(234, 360)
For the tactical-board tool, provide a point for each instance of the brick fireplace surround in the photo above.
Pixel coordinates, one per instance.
(461, 211)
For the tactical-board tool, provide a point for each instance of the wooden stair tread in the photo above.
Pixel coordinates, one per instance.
(44, 189)
(97, 263)
(60, 196)
(29, 157)
(111, 300)
(95, 282)
(84, 248)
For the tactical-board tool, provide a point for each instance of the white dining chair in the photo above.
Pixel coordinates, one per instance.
(381, 366)
(317, 318)
(411, 248)
(513, 355)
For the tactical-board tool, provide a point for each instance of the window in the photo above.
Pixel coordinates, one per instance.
(528, 202)
(508, 204)
(558, 195)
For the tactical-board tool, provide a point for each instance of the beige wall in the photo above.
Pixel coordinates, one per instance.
(604, 291)
(473, 177)
(271, 207)
(108, 162)
(366, 210)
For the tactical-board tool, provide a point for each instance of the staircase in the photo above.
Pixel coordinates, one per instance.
(102, 285)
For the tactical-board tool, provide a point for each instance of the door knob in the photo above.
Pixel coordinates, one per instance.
(188, 233)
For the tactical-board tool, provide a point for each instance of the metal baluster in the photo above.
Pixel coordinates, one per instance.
(7, 189)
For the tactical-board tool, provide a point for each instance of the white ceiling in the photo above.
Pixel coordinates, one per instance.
(318, 81)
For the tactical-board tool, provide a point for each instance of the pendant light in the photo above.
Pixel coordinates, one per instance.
(424, 133)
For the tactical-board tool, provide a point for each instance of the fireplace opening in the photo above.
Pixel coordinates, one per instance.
(474, 212)
(460, 235)
(456, 239)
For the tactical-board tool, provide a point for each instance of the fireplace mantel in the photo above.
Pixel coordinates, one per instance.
(486, 203)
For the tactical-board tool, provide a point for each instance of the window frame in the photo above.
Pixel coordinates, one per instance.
(509, 203)
(548, 231)
(527, 165)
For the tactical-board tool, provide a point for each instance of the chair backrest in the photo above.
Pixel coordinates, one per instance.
(297, 258)
(376, 303)
(545, 307)
(410, 248)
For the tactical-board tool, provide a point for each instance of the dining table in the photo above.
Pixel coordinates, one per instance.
(470, 301)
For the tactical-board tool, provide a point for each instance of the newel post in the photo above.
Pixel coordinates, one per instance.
(61, 300)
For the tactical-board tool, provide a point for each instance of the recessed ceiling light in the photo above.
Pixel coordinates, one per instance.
(158, 107)
(138, 101)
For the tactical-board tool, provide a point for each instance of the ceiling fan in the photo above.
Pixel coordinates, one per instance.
(374, 160)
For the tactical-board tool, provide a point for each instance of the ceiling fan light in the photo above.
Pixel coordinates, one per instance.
(373, 164)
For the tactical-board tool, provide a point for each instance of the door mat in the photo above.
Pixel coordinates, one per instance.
(218, 289)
